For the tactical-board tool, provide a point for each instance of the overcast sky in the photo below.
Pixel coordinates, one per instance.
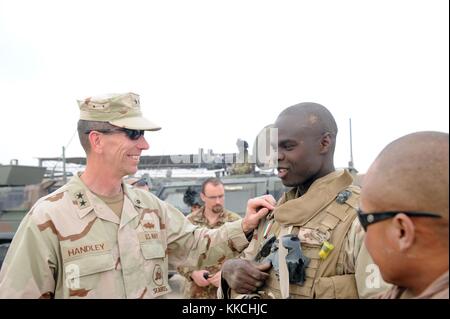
(210, 72)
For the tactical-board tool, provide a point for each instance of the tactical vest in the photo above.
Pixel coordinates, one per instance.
(325, 278)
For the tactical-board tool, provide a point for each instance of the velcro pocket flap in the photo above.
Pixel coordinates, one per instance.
(93, 264)
(153, 249)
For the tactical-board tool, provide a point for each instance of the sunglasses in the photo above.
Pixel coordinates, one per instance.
(132, 134)
(367, 219)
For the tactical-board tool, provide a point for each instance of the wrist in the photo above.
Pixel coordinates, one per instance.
(246, 228)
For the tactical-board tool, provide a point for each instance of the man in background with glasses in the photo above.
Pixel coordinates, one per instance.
(404, 210)
(203, 283)
(98, 237)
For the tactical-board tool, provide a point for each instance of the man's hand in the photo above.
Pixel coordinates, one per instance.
(197, 277)
(257, 208)
(244, 276)
(215, 280)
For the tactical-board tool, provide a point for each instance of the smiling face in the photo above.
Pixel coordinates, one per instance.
(121, 154)
(299, 152)
(306, 138)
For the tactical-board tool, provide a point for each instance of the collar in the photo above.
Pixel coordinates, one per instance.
(439, 285)
(79, 193)
(88, 202)
(199, 216)
(295, 210)
(131, 206)
(132, 195)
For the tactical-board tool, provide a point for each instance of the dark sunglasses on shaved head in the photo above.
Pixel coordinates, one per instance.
(132, 134)
(367, 219)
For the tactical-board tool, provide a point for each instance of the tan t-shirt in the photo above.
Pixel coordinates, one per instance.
(114, 202)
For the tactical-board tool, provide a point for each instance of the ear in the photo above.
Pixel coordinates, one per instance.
(202, 196)
(404, 231)
(325, 143)
(96, 143)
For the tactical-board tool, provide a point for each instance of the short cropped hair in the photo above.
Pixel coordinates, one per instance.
(211, 180)
(84, 127)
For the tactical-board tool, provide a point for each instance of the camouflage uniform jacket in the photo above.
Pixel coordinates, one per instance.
(346, 276)
(71, 244)
(438, 289)
(208, 292)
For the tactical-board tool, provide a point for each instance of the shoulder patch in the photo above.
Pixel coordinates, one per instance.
(55, 198)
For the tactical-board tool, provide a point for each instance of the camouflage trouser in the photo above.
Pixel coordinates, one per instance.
(192, 291)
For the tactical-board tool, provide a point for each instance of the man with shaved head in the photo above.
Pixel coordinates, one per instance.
(311, 245)
(404, 209)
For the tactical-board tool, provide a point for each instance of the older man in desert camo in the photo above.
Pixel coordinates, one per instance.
(98, 237)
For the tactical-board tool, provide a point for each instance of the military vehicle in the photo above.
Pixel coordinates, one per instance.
(20, 187)
(238, 190)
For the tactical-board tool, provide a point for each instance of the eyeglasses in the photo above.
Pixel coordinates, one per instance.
(215, 197)
(367, 219)
(132, 134)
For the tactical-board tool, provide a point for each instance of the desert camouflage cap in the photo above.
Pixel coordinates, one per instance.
(122, 110)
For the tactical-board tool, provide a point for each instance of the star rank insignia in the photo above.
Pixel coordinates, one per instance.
(81, 200)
